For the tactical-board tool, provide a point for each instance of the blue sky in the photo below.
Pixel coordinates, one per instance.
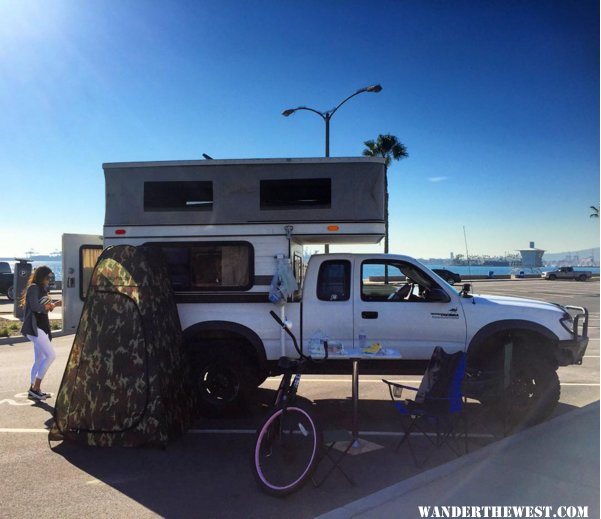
(496, 101)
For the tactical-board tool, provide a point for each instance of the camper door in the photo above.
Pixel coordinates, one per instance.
(80, 252)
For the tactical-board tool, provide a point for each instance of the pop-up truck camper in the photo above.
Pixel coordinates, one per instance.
(225, 227)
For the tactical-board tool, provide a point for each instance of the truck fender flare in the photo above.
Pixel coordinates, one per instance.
(199, 329)
(479, 340)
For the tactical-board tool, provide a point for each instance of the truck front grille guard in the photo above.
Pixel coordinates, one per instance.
(582, 314)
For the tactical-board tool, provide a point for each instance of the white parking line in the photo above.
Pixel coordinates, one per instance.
(17, 430)
(361, 433)
(368, 381)
(248, 432)
(346, 381)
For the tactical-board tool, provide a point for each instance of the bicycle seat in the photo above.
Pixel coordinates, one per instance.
(288, 364)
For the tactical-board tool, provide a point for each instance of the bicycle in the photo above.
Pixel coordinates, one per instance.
(288, 441)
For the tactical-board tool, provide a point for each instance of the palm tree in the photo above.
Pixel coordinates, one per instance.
(595, 213)
(389, 148)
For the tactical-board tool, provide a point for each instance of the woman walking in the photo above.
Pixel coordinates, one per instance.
(36, 326)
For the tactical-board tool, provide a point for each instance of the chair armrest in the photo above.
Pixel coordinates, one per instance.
(399, 385)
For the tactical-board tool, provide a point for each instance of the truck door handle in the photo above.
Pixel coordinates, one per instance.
(369, 315)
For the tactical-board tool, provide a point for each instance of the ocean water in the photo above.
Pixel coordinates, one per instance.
(476, 270)
(55, 266)
(479, 270)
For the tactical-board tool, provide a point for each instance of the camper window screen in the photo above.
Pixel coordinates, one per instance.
(209, 267)
(178, 196)
(299, 193)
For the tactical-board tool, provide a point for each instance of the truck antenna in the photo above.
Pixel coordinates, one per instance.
(467, 255)
(207, 157)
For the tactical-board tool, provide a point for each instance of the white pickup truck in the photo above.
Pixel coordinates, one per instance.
(409, 310)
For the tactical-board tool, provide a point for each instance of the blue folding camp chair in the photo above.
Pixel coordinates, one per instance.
(438, 404)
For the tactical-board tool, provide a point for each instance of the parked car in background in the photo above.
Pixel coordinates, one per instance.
(6, 280)
(567, 273)
(448, 276)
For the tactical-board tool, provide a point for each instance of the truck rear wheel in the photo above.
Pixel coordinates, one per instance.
(225, 381)
(582, 277)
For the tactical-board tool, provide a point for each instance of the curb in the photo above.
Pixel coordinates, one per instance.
(387, 494)
(16, 339)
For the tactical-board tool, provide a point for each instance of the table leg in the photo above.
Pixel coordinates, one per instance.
(355, 400)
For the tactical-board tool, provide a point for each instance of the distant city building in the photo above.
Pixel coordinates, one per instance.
(532, 257)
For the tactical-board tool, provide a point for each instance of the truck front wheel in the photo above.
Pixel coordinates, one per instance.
(532, 394)
(225, 381)
(10, 293)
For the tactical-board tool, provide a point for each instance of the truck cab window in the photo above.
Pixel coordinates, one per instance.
(394, 281)
(334, 280)
(381, 281)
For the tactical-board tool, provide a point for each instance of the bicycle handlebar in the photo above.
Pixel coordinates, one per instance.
(296, 347)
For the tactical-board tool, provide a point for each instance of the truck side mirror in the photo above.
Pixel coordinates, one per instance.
(466, 290)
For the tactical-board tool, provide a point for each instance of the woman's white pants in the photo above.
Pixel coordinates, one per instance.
(43, 355)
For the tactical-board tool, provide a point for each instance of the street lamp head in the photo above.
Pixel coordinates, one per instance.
(374, 88)
(288, 112)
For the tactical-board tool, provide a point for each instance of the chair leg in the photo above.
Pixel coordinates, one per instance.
(407, 431)
(447, 431)
(335, 465)
(414, 426)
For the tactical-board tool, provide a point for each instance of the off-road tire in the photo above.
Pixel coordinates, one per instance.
(10, 293)
(224, 379)
(533, 392)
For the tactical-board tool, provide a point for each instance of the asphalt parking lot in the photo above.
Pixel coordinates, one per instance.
(208, 472)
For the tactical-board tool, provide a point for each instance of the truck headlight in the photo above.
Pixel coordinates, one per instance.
(567, 322)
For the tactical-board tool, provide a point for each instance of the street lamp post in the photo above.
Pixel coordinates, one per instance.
(327, 116)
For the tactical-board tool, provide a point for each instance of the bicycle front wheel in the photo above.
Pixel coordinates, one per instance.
(286, 450)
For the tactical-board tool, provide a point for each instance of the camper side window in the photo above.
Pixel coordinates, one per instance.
(178, 196)
(334, 280)
(209, 266)
(298, 193)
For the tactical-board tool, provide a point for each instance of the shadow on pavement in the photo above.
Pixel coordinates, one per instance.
(210, 474)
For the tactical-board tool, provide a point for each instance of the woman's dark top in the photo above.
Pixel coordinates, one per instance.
(35, 315)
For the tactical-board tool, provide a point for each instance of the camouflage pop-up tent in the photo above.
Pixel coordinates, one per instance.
(126, 381)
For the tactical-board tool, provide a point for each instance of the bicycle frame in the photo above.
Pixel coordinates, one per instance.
(288, 386)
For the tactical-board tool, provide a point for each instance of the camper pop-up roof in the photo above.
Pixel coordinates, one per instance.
(326, 200)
